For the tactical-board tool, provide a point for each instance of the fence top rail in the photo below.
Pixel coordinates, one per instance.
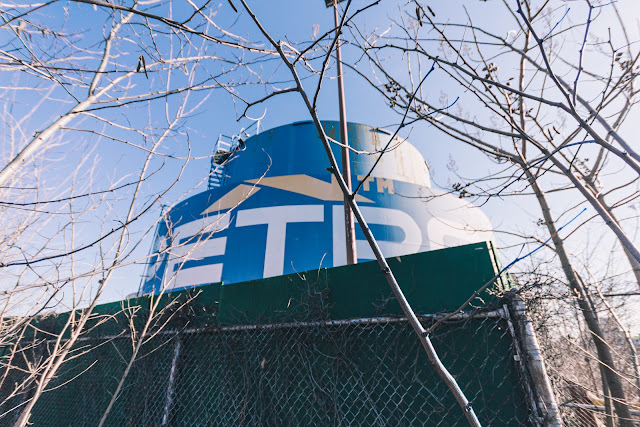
(498, 313)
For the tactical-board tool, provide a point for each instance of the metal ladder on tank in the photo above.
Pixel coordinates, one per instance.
(225, 147)
(222, 151)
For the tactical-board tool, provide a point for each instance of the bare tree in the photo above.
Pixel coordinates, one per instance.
(294, 59)
(88, 90)
(525, 101)
(73, 213)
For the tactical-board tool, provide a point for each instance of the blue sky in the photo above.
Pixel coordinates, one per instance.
(285, 20)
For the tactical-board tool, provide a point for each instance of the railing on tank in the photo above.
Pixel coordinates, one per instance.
(225, 148)
(222, 151)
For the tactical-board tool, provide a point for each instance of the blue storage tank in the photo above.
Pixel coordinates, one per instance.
(276, 209)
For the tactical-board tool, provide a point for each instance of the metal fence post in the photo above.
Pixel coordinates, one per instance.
(171, 383)
(546, 399)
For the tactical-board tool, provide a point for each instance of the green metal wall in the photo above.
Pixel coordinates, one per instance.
(232, 369)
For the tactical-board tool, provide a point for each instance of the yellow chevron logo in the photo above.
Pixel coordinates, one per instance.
(299, 184)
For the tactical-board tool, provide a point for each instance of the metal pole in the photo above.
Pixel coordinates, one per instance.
(535, 363)
(382, 262)
(349, 224)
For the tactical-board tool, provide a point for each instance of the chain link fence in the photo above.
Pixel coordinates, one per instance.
(578, 382)
(571, 358)
(357, 372)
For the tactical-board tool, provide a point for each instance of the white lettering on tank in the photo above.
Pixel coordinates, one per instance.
(411, 243)
(198, 245)
(276, 219)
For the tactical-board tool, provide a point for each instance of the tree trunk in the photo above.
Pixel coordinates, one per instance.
(605, 358)
(635, 265)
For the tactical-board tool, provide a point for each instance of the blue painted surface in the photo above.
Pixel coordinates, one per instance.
(296, 149)
(278, 231)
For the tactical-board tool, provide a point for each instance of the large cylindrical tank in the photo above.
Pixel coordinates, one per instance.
(280, 211)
